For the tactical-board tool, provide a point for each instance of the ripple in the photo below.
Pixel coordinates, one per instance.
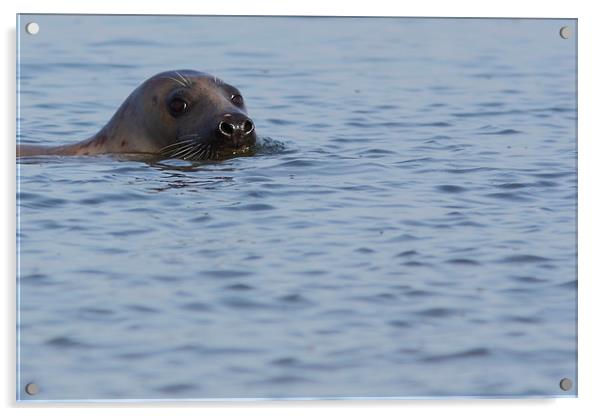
(437, 124)
(35, 200)
(138, 355)
(416, 264)
(244, 303)
(314, 272)
(509, 196)
(178, 388)
(486, 113)
(364, 250)
(378, 298)
(239, 287)
(571, 284)
(416, 162)
(438, 312)
(295, 299)
(37, 277)
(503, 132)
(397, 323)
(463, 262)
(553, 175)
(95, 314)
(523, 319)
(407, 253)
(203, 350)
(101, 198)
(66, 342)
(202, 218)
(491, 104)
(452, 189)
(470, 170)
(196, 307)
(529, 279)
(271, 146)
(471, 224)
(286, 362)
(252, 207)
(299, 163)
(416, 293)
(280, 121)
(285, 379)
(125, 42)
(470, 353)
(130, 232)
(375, 152)
(524, 259)
(402, 238)
(512, 185)
(545, 184)
(225, 274)
(142, 308)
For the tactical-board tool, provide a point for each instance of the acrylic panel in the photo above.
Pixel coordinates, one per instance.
(220, 207)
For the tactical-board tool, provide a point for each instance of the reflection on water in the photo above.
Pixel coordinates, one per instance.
(406, 227)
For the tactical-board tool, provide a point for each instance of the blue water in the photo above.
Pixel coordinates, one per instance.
(408, 227)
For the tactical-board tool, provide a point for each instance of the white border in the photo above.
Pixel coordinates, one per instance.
(590, 208)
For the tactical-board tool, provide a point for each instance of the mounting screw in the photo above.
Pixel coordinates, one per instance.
(565, 32)
(31, 389)
(566, 384)
(32, 28)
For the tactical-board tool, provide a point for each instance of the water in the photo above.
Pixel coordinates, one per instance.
(408, 228)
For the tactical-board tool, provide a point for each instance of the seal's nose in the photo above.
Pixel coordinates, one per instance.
(236, 126)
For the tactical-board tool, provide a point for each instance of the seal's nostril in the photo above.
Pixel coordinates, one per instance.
(226, 128)
(248, 127)
(236, 126)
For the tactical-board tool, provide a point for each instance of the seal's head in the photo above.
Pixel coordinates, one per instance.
(186, 115)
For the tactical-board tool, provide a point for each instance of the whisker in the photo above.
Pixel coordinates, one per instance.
(190, 152)
(182, 151)
(203, 154)
(172, 152)
(180, 143)
(186, 80)
(197, 151)
(176, 80)
(189, 149)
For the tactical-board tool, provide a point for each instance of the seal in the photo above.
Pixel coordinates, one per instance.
(182, 114)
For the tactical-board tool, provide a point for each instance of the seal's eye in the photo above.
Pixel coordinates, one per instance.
(236, 99)
(177, 106)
